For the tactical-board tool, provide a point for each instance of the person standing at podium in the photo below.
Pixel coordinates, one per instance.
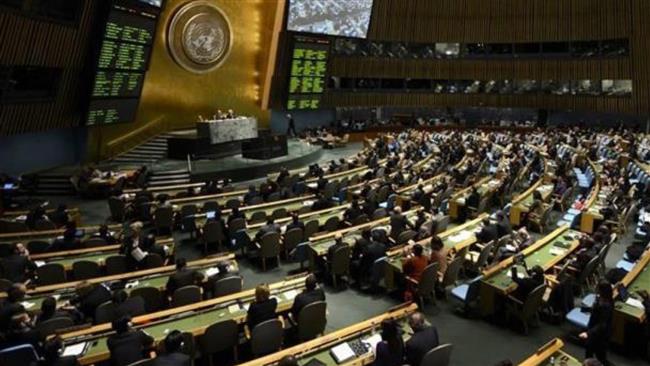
(291, 128)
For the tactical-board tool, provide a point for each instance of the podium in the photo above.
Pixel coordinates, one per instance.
(264, 147)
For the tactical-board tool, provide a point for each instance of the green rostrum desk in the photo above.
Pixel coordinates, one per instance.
(589, 216)
(319, 348)
(319, 245)
(455, 203)
(455, 240)
(546, 252)
(193, 318)
(522, 203)
(97, 255)
(169, 189)
(155, 277)
(627, 316)
(50, 234)
(551, 351)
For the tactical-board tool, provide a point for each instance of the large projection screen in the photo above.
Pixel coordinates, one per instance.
(343, 18)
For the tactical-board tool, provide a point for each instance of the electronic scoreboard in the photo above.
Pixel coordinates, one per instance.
(308, 73)
(122, 61)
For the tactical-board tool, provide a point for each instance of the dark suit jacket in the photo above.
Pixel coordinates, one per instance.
(488, 233)
(172, 359)
(16, 267)
(599, 328)
(128, 347)
(180, 278)
(261, 311)
(89, 303)
(504, 228)
(305, 298)
(294, 225)
(334, 248)
(61, 361)
(398, 223)
(420, 343)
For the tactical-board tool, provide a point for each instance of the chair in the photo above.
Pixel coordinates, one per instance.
(312, 321)
(219, 337)
(105, 312)
(332, 224)
(94, 243)
(467, 293)
(273, 197)
(213, 235)
(257, 217)
(291, 239)
(340, 263)
(38, 246)
(478, 260)
(4, 283)
(525, 311)
(279, 213)
(442, 224)
(361, 219)
(164, 219)
(210, 206)
(311, 228)
(405, 236)
(379, 213)
(269, 248)
(116, 264)
(227, 286)
(54, 325)
(189, 346)
(450, 276)
(188, 219)
(50, 274)
(232, 203)
(424, 289)
(83, 270)
(22, 355)
(256, 201)
(153, 260)
(44, 225)
(186, 295)
(439, 356)
(153, 300)
(144, 362)
(266, 337)
(236, 225)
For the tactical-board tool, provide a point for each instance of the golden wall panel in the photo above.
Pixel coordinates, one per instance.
(175, 97)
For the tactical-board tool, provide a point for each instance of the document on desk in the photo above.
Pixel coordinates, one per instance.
(634, 302)
(372, 341)
(27, 305)
(74, 350)
(211, 271)
(342, 353)
(291, 294)
(39, 263)
(557, 251)
(233, 308)
(463, 235)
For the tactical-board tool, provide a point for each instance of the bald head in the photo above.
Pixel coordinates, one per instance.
(416, 321)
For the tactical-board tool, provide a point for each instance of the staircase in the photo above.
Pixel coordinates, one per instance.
(147, 153)
(169, 177)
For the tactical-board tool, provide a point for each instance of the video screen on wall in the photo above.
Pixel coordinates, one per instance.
(344, 18)
(308, 73)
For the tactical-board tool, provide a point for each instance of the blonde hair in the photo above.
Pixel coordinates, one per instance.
(262, 293)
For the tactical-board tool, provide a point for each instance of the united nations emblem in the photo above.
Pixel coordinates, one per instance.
(199, 37)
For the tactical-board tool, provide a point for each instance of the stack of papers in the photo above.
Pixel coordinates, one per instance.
(27, 305)
(233, 308)
(372, 341)
(342, 353)
(291, 294)
(74, 350)
(634, 302)
(463, 235)
(307, 203)
(557, 251)
(131, 284)
(211, 271)
(39, 263)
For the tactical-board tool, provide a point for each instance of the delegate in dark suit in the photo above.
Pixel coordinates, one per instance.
(16, 267)
(259, 312)
(172, 359)
(182, 277)
(128, 347)
(305, 298)
(422, 341)
(488, 233)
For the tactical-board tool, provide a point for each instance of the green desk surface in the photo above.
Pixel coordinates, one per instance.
(560, 358)
(545, 190)
(450, 241)
(543, 255)
(268, 210)
(320, 247)
(92, 257)
(641, 282)
(158, 281)
(324, 355)
(190, 323)
(252, 231)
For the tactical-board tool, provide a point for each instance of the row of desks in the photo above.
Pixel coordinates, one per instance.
(194, 318)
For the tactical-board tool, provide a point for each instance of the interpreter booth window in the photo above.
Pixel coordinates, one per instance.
(525, 86)
(505, 86)
(447, 50)
(424, 52)
(617, 88)
(473, 87)
(378, 49)
(527, 49)
(438, 86)
(474, 50)
(491, 87)
(499, 49)
(556, 87)
(586, 87)
(615, 47)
